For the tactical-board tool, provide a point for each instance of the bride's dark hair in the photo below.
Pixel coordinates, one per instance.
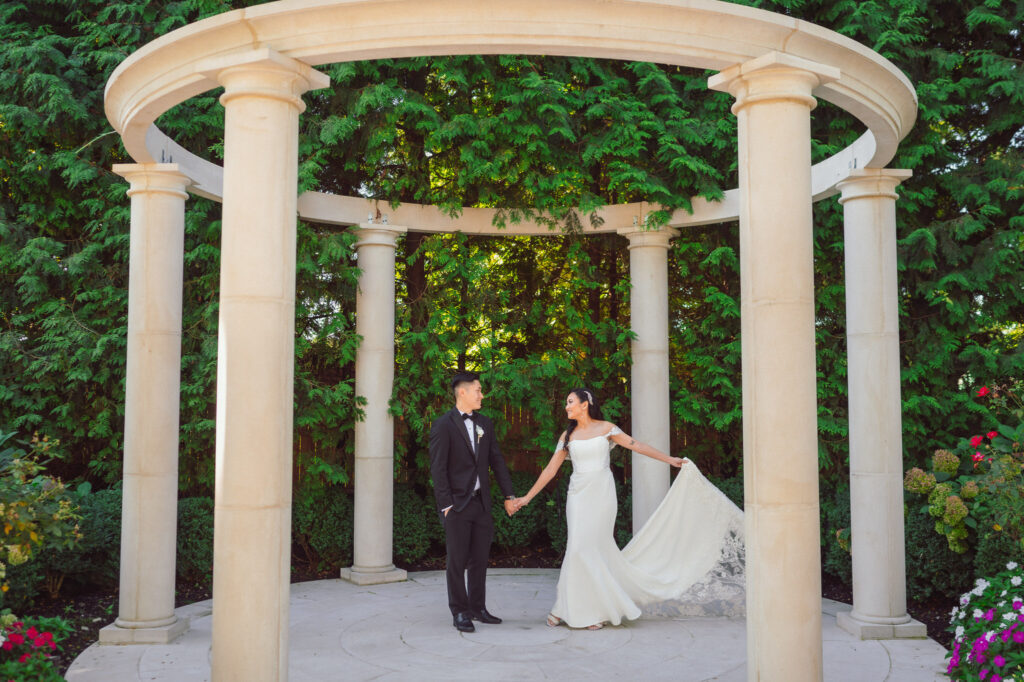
(585, 395)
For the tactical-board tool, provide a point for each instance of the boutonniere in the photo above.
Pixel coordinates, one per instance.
(479, 434)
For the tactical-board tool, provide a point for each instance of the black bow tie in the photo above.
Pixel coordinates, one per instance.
(468, 416)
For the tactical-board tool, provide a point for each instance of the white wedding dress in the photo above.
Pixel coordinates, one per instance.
(686, 560)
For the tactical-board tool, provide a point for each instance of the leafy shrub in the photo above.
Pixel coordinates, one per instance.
(322, 525)
(95, 560)
(835, 532)
(988, 629)
(416, 525)
(525, 525)
(624, 517)
(932, 567)
(995, 548)
(25, 582)
(732, 487)
(195, 539)
(29, 648)
(36, 511)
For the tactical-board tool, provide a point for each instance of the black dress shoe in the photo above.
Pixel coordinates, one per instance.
(462, 622)
(485, 616)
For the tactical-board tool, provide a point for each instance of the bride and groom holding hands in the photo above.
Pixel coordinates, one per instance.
(598, 584)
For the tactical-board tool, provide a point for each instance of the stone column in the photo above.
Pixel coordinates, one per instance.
(876, 447)
(255, 359)
(149, 508)
(649, 394)
(780, 445)
(375, 374)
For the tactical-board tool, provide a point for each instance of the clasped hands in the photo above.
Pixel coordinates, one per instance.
(512, 506)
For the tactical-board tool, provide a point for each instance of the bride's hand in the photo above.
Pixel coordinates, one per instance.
(677, 461)
(519, 503)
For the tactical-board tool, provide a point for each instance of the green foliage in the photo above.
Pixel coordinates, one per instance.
(95, 560)
(933, 569)
(417, 526)
(322, 525)
(195, 540)
(33, 645)
(35, 510)
(525, 526)
(835, 532)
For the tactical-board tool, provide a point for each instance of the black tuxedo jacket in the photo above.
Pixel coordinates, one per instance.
(454, 468)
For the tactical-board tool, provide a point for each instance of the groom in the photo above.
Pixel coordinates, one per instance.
(462, 447)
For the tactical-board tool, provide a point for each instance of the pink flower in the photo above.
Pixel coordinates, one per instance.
(998, 661)
(983, 674)
(977, 456)
(976, 441)
(991, 435)
(983, 391)
(1017, 604)
(1018, 637)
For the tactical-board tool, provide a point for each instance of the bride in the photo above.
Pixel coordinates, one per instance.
(678, 547)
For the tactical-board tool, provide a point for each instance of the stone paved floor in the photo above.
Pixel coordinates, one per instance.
(402, 631)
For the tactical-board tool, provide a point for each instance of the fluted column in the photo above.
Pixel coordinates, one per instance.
(374, 434)
(255, 359)
(649, 393)
(780, 452)
(876, 445)
(149, 508)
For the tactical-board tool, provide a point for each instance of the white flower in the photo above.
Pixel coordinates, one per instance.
(1010, 616)
(1015, 581)
(1012, 565)
(959, 631)
(978, 590)
(1003, 594)
(479, 433)
(952, 614)
(981, 582)
(978, 613)
(965, 599)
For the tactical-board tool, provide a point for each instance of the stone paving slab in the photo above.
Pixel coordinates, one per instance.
(402, 631)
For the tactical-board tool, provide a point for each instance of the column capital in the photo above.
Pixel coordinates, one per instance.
(372, 234)
(773, 76)
(153, 178)
(264, 73)
(864, 183)
(639, 237)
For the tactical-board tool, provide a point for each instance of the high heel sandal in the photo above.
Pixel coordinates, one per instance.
(597, 626)
(554, 621)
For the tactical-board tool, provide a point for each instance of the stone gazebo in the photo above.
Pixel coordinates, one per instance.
(774, 66)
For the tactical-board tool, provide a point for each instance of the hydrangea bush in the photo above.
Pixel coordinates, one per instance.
(988, 630)
(978, 488)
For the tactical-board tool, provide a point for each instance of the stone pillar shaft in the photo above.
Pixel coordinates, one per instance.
(876, 448)
(374, 434)
(649, 391)
(780, 454)
(152, 391)
(255, 360)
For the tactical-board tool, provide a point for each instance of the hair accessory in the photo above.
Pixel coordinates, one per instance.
(590, 398)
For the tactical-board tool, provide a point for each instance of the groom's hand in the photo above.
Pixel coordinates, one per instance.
(510, 507)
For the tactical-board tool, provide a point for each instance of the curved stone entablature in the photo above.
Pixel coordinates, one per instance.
(703, 34)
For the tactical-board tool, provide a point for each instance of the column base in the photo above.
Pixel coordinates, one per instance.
(912, 629)
(361, 576)
(165, 634)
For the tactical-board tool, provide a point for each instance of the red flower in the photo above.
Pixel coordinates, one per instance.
(991, 435)
(976, 441)
(24, 657)
(16, 638)
(8, 646)
(983, 391)
(32, 632)
(977, 456)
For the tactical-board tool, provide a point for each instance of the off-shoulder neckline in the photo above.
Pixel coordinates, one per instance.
(606, 435)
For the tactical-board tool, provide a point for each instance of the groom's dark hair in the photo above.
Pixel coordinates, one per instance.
(463, 378)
